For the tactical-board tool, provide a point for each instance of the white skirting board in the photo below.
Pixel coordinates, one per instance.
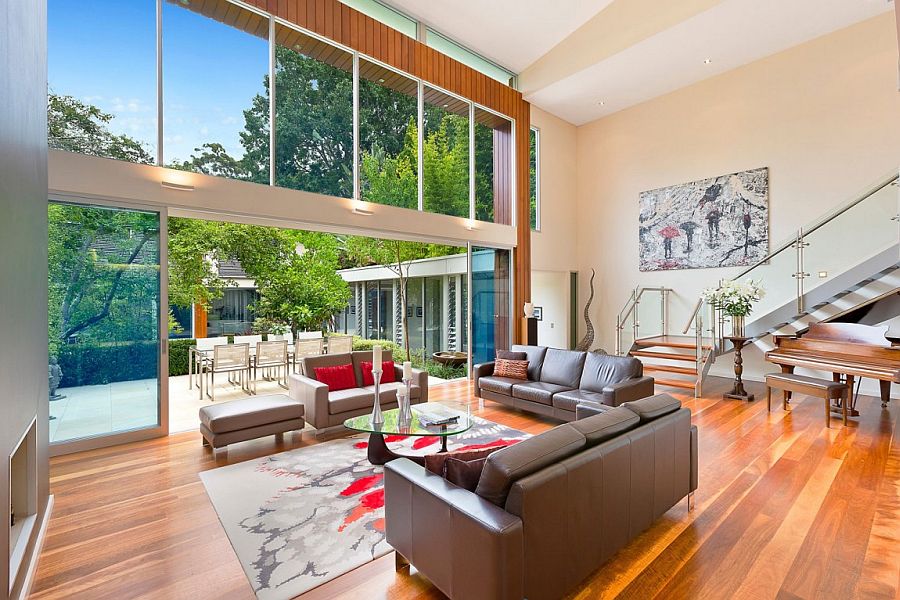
(32, 562)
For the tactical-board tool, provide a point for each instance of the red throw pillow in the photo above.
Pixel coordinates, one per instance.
(336, 378)
(387, 372)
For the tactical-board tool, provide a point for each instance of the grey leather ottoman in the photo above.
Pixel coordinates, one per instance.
(249, 418)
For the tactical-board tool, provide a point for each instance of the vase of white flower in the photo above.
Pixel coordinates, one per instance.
(736, 300)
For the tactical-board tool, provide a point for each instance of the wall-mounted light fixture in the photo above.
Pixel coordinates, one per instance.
(359, 208)
(181, 187)
(470, 225)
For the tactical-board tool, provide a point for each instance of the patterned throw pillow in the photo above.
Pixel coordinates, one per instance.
(336, 378)
(514, 369)
(388, 374)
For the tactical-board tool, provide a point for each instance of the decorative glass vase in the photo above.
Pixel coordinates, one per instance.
(737, 325)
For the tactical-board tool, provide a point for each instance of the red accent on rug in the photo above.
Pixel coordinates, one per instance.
(362, 484)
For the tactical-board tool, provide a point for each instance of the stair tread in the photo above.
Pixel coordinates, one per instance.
(673, 341)
(671, 369)
(664, 355)
(679, 383)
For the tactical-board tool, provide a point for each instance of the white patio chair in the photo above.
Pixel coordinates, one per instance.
(271, 355)
(200, 356)
(340, 344)
(309, 335)
(312, 347)
(251, 340)
(233, 359)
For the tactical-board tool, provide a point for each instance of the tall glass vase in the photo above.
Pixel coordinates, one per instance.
(737, 325)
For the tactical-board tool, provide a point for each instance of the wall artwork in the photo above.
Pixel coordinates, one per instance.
(718, 222)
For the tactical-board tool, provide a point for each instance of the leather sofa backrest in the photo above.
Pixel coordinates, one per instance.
(310, 363)
(504, 467)
(606, 425)
(562, 367)
(602, 369)
(361, 356)
(535, 359)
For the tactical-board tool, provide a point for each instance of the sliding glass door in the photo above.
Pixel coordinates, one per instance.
(106, 290)
(490, 269)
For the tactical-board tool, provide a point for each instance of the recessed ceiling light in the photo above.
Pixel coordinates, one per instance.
(381, 80)
(707, 61)
(446, 106)
(602, 103)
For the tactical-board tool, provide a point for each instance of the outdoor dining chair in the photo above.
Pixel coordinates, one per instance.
(271, 355)
(199, 356)
(340, 344)
(233, 359)
(311, 347)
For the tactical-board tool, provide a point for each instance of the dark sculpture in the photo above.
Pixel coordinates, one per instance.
(588, 338)
(56, 376)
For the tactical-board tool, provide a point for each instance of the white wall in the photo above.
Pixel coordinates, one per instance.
(823, 116)
(23, 251)
(550, 291)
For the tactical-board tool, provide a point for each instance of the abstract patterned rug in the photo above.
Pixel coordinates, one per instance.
(304, 517)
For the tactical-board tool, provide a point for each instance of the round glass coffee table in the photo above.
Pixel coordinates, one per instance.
(378, 452)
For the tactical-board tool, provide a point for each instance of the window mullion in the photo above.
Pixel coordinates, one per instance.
(271, 101)
(356, 190)
(421, 145)
(471, 161)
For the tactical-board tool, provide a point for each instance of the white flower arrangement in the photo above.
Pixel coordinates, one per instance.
(735, 298)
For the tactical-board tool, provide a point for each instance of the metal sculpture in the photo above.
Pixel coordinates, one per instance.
(585, 344)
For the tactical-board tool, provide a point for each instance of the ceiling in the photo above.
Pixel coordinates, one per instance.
(574, 54)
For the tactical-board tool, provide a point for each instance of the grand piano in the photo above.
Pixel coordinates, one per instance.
(846, 350)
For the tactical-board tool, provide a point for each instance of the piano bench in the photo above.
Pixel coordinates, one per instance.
(811, 386)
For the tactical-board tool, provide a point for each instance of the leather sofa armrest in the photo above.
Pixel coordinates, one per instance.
(695, 476)
(482, 370)
(583, 410)
(481, 550)
(314, 396)
(629, 390)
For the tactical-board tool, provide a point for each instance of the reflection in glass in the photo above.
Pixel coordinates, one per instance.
(415, 313)
(215, 89)
(446, 154)
(534, 137)
(490, 303)
(102, 79)
(388, 136)
(433, 315)
(313, 114)
(231, 314)
(493, 167)
(103, 311)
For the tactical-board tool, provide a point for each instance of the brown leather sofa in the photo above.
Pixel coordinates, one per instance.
(324, 408)
(549, 510)
(560, 380)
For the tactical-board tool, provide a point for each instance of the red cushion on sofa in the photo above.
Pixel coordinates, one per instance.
(336, 378)
(387, 372)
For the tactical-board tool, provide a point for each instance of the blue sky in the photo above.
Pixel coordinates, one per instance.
(104, 52)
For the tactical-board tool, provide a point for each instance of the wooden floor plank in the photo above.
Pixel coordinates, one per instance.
(786, 508)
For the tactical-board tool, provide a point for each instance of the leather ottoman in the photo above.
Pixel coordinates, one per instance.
(249, 418)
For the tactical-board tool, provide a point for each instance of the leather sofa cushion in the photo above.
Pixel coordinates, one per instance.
(572, 398)
(653, 407)
(389, 391)
(562, 367)
(535, 356)
(344, 401)
(504, 467)
(499, 385)
(462, 468)
(250, 412)
(602, 369)
(607, 425)
(510, 355)
(537, 391)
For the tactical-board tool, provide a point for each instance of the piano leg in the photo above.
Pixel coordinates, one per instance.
(787, 394)
(885, 393)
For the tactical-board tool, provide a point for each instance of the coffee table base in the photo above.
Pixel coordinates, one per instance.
(379, 454)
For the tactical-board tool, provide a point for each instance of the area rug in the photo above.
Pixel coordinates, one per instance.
(304, 517)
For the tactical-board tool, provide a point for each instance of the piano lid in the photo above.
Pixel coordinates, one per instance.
(853, 333)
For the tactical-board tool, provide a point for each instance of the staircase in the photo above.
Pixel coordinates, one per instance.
(846, 260)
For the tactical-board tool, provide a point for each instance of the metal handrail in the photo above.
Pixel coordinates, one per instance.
(693, 316)
(824, 220)
(636, 298)
(630, 308)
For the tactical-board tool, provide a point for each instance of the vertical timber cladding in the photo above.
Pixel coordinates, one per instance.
(339, 22)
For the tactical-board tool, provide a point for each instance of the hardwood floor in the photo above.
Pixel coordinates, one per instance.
(786, 509)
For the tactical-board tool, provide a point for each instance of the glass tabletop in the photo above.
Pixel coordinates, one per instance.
(393, 426)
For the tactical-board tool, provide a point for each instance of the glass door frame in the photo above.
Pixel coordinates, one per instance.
(162, 427)
(470, 342)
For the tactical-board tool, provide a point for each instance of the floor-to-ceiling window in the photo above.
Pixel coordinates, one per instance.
(493, 167)
(104, 320)
(445, 154)
(490, 302)
(534, 177)
(434, 315)
(215, 90)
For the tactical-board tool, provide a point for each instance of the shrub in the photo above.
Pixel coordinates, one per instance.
(397, 351)
(108, 363)
(179, 356)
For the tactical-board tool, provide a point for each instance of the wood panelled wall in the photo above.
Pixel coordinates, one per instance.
(339, 22)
